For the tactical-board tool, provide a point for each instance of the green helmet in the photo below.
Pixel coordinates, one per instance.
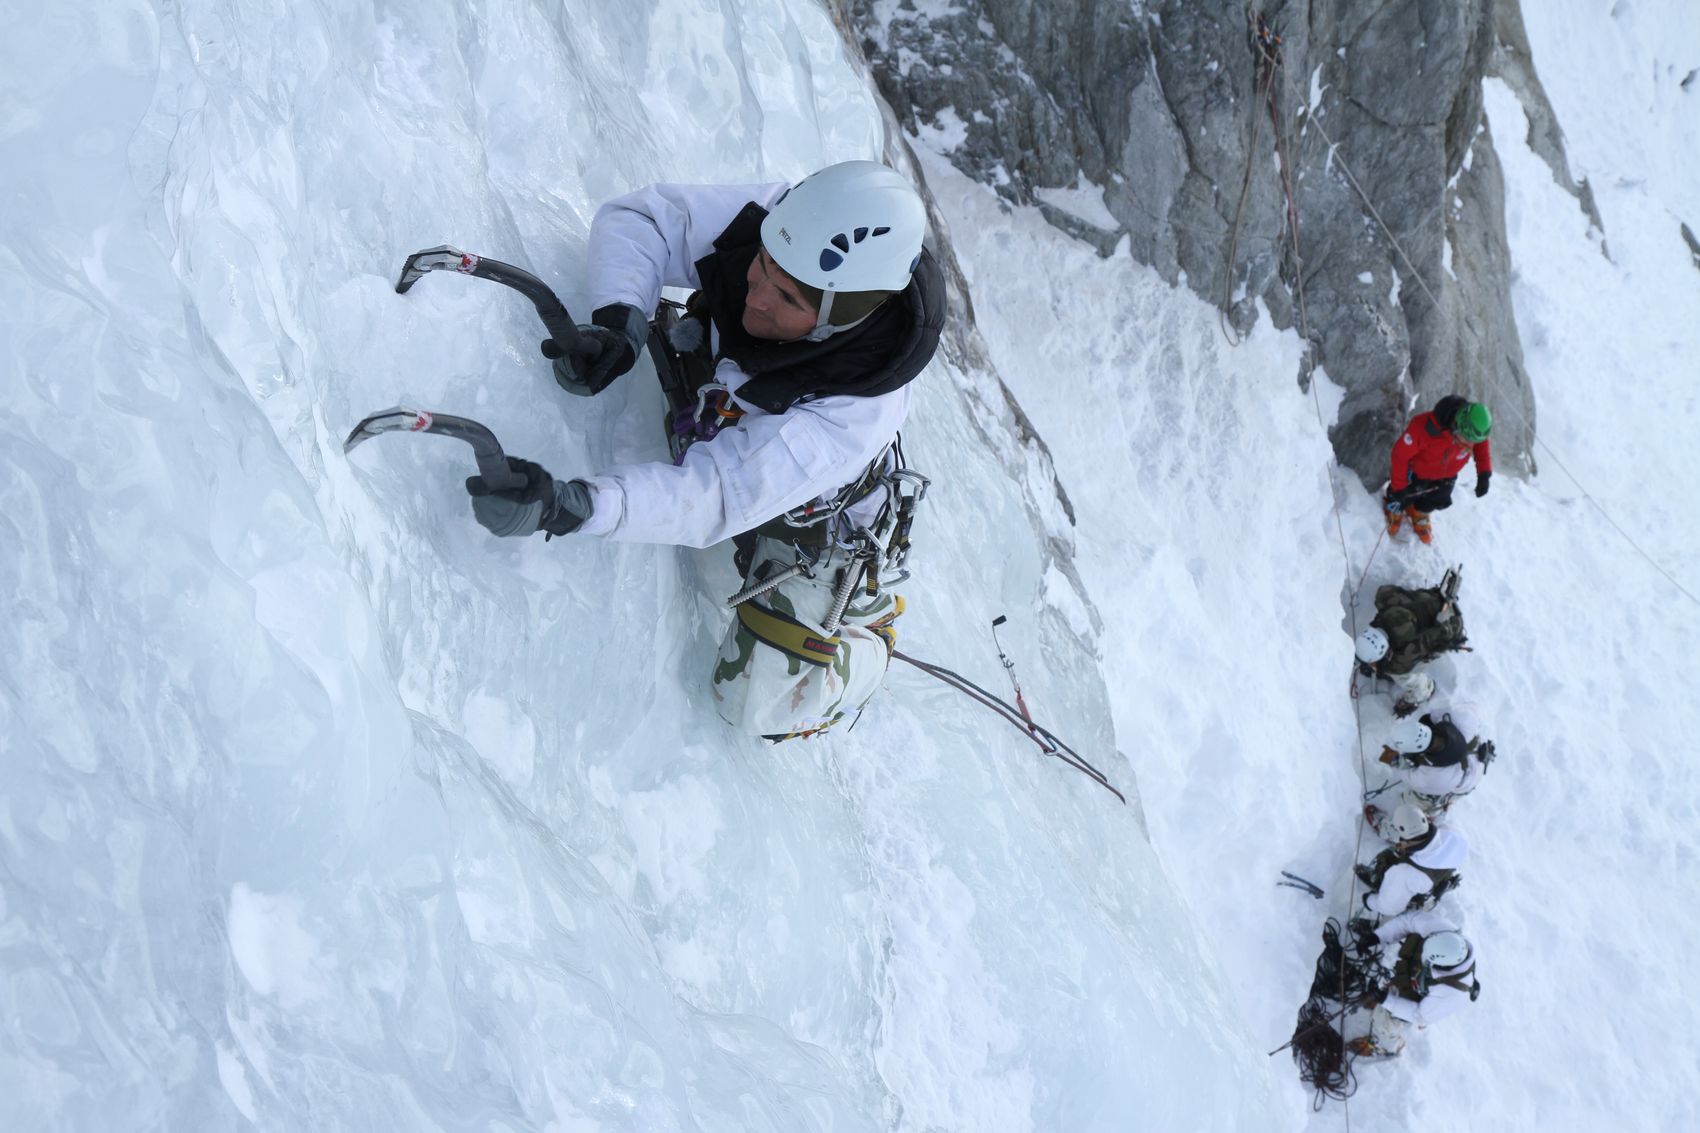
(1473, 423)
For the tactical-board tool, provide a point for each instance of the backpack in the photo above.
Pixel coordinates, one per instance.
(1410, 974)
(1421, 623)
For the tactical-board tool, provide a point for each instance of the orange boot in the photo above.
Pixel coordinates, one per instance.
(1420, 524)
(1395, 516)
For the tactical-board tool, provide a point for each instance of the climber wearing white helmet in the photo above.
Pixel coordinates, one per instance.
(1411, 627)
(1438, 757)
(1418, 868)
(1428, 971)
(788, 375)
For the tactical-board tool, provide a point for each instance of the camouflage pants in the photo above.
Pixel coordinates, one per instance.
(778, 674)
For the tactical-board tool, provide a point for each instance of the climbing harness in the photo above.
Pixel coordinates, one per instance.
(788, 635)
(866, 558)
(1441, 881)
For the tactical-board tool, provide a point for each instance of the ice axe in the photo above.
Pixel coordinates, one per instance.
(492, 461)
(563, 337)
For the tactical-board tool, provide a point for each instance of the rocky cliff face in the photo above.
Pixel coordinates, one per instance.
(1367, 117)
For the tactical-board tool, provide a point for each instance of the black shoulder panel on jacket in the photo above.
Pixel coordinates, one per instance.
(882, 353)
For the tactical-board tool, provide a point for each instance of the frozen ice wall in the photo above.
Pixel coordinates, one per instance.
(324, 808)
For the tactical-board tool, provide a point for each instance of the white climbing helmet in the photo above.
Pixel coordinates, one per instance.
(855, 226)
(1371, 645)
(1406, 822)
(1445, 950)
(1410, 737)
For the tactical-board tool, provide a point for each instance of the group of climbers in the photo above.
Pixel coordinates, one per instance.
(1407, 962)
(1427, 967)
(1420, 967)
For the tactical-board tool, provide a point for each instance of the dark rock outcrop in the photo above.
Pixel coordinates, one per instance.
(1378, 109)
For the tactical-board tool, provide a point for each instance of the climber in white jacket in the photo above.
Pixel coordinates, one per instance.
(1421, 862)
(1438, 757)
(815, 306)
(1429, 973)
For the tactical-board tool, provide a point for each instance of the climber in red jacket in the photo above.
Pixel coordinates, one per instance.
(1428, 457)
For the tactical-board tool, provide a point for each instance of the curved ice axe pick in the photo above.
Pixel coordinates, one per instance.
(492, 461)
(563, 332)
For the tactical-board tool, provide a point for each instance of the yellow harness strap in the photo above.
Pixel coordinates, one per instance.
(789, 636)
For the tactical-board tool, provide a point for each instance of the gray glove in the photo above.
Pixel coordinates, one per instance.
(541, 503)
(606, 349)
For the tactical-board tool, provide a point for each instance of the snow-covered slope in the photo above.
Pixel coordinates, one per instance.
(323, 808)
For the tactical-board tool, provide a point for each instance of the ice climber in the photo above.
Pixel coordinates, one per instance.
(1419, 866)
(1411, 627)
(1427, 972)
(1427, 458)
(1438, 757)
(788, 373)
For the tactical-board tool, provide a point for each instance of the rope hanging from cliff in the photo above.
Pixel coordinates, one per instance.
(1266, 50)
(1266, 46)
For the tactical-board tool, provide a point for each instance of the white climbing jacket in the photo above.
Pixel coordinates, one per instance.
(1448, 849)
(1442, 999)
(770, 462)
